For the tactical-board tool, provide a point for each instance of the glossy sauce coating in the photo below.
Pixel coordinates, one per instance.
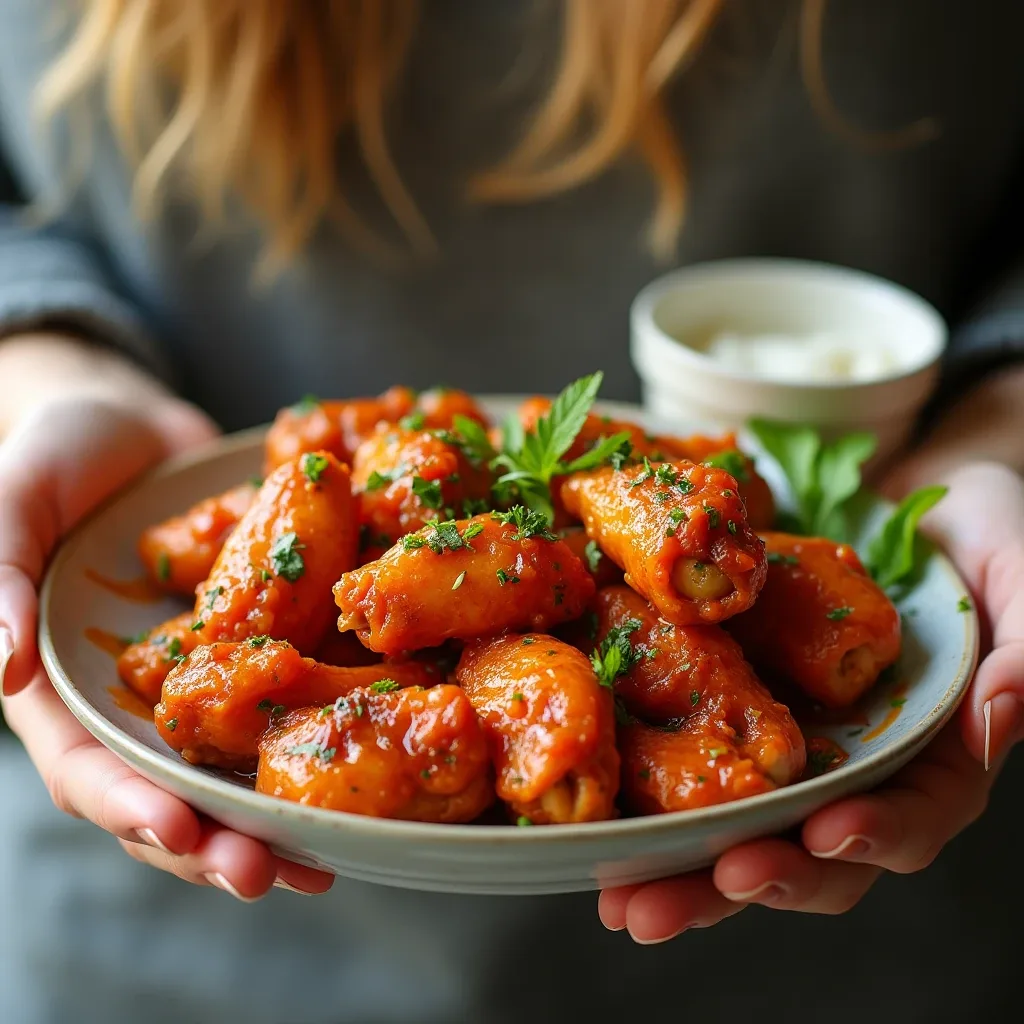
(415, 597)
(821, 622)
(275, 573)
(217, 703)
(723, 452)
(179, 553)
(550, 727)
(605, 572)
(695, 681)
(405, 478)
(414, 754)
(334, 426)
(679, 531)
(144, 666)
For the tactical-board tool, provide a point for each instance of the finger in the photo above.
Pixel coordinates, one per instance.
(778, 874)
(904, 825)
(611, 906)
(88, 781)
(993, 717)
(298, 878)
(239, 865)
(661, 910)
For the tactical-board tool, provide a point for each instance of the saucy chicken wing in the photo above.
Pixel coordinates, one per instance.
(463, 579)
(275, 572)
(694, 684)
(605, 572)
(821, 622)
(405, 478)
(179, 553)
(679, 531)
(217, 702)
(414, 754)
(549, 724)
(144, 665)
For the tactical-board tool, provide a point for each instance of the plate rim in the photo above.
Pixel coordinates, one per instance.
(189, 777)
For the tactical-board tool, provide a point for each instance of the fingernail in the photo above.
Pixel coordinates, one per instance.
(667, 938)
(280, 883)
(6, 651)
(769, 892)
(217, 879)
(620, 928)
(1005, 707)
(150, 838)
(851, 846)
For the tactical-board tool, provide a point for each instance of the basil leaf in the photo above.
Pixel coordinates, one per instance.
(795, 448)
(839, 480)
(890, 555)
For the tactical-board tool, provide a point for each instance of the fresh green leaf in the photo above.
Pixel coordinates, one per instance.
(796, 450)
(163, 567)
(593, 555)
(523, 821)
(285, 558)
(428, 491)
(601, 453)
(839, 480)
(305, 405)
(528, 523)
(890, 554)
(964, 604)
(384, 686)
(732, 461)
(314, 466)
(375, 481)
(615, 655)
(568, 414)
(505, 577)
(414, 421)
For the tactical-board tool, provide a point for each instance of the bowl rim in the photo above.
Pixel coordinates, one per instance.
(171, 767)
(646, 333)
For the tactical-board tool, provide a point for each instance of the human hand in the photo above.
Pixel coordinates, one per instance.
(902, 826)
(57, 464)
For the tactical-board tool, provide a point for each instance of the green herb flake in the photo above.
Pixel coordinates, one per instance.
(527, 522)
(414, 421)
(898, 702)
(716, 752)
(694, 698)
(518, 696)
(645, 475)
(274, 710)
(163, 567)
(522, 821)
(285, 558)
(428, 491)
(776, 558)
(211, 597)
(375, 481)
(838, 614)
(732, 462)
(171, 724)
(662, 496)
(615, 655)
(174, 650)
(527, 640)
(384, 686)
(732, 527)
(305, 405)
(312, 750)
(412, 541)
(964, 604)
(258, 641)
(644, 774)
(314, 466)
(471, 531)
(459, 580)
(685, 485)
(505, 577)
(701, 779)
(593, 555)
(713, 517)
(196, 626)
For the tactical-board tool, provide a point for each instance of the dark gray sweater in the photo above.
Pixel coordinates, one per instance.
(522, 299)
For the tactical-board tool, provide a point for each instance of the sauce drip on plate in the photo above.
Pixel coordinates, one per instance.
(140, 591)
(108, 642)
(131, 702)
(823, 755)
(896, 703)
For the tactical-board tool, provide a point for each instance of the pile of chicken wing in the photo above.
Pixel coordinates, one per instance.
(378, 628)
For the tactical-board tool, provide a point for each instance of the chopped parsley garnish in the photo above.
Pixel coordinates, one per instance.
(732, 462)
(471, 531)
(384, 686)
(964, 604)
(685, 485)
(505, 577)
(777, 558)
(306, 405)
(471, 438)
(312, 750)
(644, 475)
(412, 541)
(258, 641)
(414, 421)
(732, 527)
(474, 507)
(694, 698)
(518, 696)
(820, 761)
(375, 481)
(172, 724)
(196, 626)
(314, 466)
(838, 614)
(593, 555)
(701, 779)
(716, 752)
(898, 702)
(163, 567)
(644, 774)
(428, 491)
(713, 516)
(662, 496)
(666, 474)
(678, 515)
(528, 640)
(528, 523)
(174, 650)
(256, 481)
(522, 821)
(285, 558)
(615, 655)
(265, 575)
(459, 580)
(621, 455)
(274, 710)
(211, 597)
(139, 638)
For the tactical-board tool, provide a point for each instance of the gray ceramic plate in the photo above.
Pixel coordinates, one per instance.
(939, 656)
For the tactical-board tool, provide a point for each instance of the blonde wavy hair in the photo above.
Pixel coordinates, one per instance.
(248, 98)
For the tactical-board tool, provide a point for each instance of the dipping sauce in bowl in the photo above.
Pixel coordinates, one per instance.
(787, 340)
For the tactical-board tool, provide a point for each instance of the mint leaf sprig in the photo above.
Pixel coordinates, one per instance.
(532, 458)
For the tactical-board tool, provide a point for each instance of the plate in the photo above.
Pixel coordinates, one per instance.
(939, 657)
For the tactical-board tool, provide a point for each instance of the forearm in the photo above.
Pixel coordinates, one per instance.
(985, 425)
(40, 367)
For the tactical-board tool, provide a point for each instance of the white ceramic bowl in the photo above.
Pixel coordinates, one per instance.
(939, 657)
(677, 314)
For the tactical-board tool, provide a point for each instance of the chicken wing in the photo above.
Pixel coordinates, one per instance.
(821, 622)
(549, 724)
(679, 531)
(179, 553)
(463, 579)
(275, 572)
(414, 754)
(144, 665)
(217, 702)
